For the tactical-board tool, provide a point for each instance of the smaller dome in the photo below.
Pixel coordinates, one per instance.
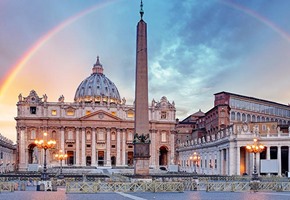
(97, 87)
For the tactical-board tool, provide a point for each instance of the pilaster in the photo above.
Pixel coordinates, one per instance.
(83, 151)
(77, 147)
(124, 147)
(94, 147)
(118, 162)
(108, 142)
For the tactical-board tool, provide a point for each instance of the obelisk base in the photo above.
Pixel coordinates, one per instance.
(141, 166)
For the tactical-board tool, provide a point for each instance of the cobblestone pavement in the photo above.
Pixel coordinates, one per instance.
(60, 194)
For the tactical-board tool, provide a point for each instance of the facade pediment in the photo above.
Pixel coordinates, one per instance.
(101, 115)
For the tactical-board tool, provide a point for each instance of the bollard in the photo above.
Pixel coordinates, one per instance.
(22, 186)
(41, 187)
(16, 186)
(54, 186)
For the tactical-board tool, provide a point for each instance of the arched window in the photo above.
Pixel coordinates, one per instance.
(248, 118)
(254, 118)
(263, 119)
(243, 117)
(238, 117)
(233, 116)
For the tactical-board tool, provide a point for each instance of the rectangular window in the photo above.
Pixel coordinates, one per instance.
(33, 110)
(113, 146)
(88, 145)
(70, 135)
(33, 134)
(163, 115)
(70, 112)
(130, 114)
(130, 136)
(88, 136)
(113, 136)
(163, 137)
(101, 136)
(53, 112)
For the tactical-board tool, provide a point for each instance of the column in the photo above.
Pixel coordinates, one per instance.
(108, 142)
(221, 162)
(228, 161)
(77, 146)
(153, 148)
(288, 162)
(124, 147)
(94, 147)
(22, 150)
(279, 160)
(238, 155)
(218, 170)
(258, 163)
(83, 151)
(268, 153)
(62, 139)
(118, 161)
(172, 147)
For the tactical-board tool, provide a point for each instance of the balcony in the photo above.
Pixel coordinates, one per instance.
(70, 141)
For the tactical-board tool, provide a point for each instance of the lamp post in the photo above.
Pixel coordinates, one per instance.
(61, 156)
(255, 148)
(44, 144)
(195, 158)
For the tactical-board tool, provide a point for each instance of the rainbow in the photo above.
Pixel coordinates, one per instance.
(258, 17)
(11, 74)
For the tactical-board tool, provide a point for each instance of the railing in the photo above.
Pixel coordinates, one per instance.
(248, 186)
(7, 186)
(94, 187)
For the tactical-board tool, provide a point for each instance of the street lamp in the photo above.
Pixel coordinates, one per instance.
(195, 159)
(61, 156)
(255, 148)
(44, 144)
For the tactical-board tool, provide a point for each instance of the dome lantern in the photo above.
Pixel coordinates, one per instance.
(98, 68)
(97, 88)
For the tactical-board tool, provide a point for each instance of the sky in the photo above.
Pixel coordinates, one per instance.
(196, 48)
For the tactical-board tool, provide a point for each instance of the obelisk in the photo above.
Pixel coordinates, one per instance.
(141, 125)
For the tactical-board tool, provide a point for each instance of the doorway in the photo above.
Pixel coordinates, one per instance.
(163, 156)
(70, 158)
(101, 155)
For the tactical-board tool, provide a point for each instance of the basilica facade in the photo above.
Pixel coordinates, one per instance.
(96, 129)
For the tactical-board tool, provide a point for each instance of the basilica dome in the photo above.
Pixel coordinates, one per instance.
(97, 87)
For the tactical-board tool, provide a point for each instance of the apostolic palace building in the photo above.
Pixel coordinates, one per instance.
(220, 136)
